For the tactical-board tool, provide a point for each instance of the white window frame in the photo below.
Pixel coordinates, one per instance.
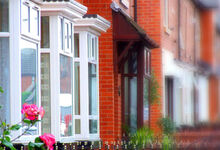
(15, 37)
(32, 7)
(93, 59)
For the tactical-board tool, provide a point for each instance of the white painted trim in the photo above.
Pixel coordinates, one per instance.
(98, 24)
(4, 34)
(70, 10)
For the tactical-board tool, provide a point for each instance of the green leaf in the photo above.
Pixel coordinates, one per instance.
(27, 121)
(0, 106)
(3, 124)
(1, 90)
(32, 145)
(8, 138)
(6, 132)
(38, 140)
(15, 127)
(8, 144)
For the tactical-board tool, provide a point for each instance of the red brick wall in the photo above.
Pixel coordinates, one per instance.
(149, 18)
(109, 114)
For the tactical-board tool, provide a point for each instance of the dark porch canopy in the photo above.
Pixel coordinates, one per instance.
(126, 29)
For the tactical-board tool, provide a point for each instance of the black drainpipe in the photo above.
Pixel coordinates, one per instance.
(135, 10)
(179, 11)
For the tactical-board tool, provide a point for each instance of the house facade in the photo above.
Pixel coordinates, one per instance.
(89, 64)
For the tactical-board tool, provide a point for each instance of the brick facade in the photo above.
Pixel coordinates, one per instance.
(184, 38)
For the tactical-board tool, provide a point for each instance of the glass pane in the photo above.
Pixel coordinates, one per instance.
(66, 95)
(4, 17)
(34, 22)
(131, 64)
(77, 89)
(45, 32)
(66, 36)
(45, 92)
(77, 126)
(89, 45)
(60, 28)
(71, 37)
(96, 48)
(76, 44)
(29, 75)
(93, 126)
(93, 48)
(130, 104)
(93, 93)
(146, 102)
(4, 79)
(25, 12)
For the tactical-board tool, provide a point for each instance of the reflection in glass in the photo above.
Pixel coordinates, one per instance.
(131, 64)
(130, 102)
(146, 102)
(93, 126)
(76, 44)
(66, 95)
(25, 18)
(29, 75)
(77, 126)
(93, 93)
(45, 32)
(45, 92)
(60, 29)
(34, 21)
(77, 89)
(4, 17)
(4, 79)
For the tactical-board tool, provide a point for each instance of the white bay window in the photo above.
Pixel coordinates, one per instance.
(62, 75)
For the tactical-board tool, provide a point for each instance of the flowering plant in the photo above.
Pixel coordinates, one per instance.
(44, 141)
(32, 113)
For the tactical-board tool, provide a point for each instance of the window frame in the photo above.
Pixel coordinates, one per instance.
(31, 7)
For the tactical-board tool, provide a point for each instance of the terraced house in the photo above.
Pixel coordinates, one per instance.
(89, 64)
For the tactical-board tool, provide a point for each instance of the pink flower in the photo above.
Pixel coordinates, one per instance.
(48, 139)
(32, 112)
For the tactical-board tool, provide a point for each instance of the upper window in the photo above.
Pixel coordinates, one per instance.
(4, 9)
(147, 65)
(65, 35)
(29, 19)
(92, 47)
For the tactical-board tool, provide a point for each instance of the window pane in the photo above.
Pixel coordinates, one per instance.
(77, 89)
(66, 95)
(29, 75)
(45, 32)
(89, 45)
(25, 12)
(34, 22)
(76, 45)
(4, 79)
(66, 36)
(93, 126)
(77, 126)
(45, 92)
(130, 102)
(60, 28)
(131, 64)
(96, 48)
(4, 17)
(93, 48)
(93, 94)
(146, 102)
